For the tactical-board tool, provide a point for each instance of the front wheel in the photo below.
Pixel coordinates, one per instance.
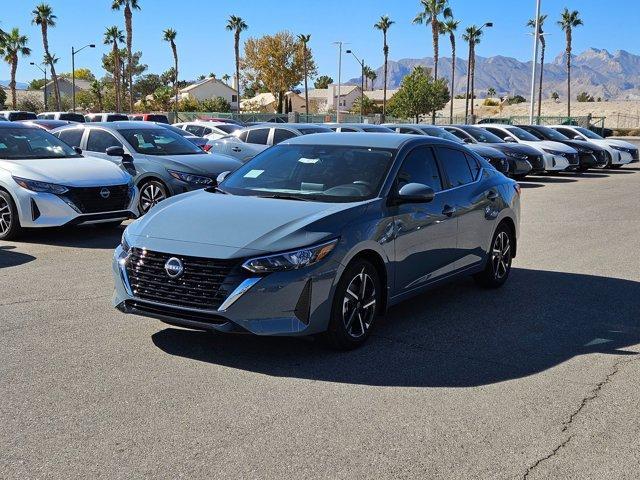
(9, 221)
(356, 305)
(152, 192)
(499, 263)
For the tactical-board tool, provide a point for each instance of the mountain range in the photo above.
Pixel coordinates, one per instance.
(19, 85)
(595, 71)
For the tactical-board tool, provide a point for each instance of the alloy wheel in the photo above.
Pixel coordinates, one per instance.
(359, 305)
(5, 216)
(151, 194)
(501, 255)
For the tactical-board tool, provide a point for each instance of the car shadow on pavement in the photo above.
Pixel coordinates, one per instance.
(530, 185)
(9, 258)
(86, 236)
(454, 336)
(551, 179)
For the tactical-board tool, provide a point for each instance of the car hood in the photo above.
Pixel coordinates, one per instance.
(619, 143)
(203, 163)
(232, 226)
(549, 145)
(516, 148)
(485, 151)
(73, 172)
(576, 144)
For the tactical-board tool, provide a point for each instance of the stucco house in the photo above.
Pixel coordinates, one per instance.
(210, 88)
(377, 95)
(267, 103)
(66, 87)
(323, 100)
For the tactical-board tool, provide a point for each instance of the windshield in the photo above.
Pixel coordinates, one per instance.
(26, 143)
(522, 134)
(552, 134)
(483, 136)
(158, 141)
(324, 173)
(309, 130)
(588, 133)
(440, 133)
(179, 131)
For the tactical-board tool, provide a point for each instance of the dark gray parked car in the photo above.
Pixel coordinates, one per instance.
(320, 235)
(162, 162)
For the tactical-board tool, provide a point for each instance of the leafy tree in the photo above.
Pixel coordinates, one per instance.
(96, 91)
(237, 25)
(277, 61)
(217, 104)
(162, 99)
(169, 35)
(30, 104)
(112, 36)
(515, 99)
(225, 78)
(128, 16)
(12, 46)
(44, 17)
(147, 84)
(368, 106)
(555, 96)
(36, 84)
(491, 92)
(84, 73)
(383, 25)
(3, 97)
(449, 26)
(568, 21)
(323, 81)
(419, 94)
(584, 97)
(543, 45)
(201, 77)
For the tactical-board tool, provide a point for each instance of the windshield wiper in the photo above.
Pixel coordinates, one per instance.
(285, 196)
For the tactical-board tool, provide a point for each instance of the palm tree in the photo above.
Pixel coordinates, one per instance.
(128, 14)
(112, 36)
(225, 78)
(304, 40)
(372, 76)
(366, 75)
(532, 23)
(170, 36)
(472, 36)
(449, 26)
(44, 17)
(14, 45)
(383, 25)
(568, 21)
(237, 25)
(96, 91)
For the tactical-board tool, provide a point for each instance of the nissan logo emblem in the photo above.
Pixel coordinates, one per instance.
(105, 193)
(174, 267)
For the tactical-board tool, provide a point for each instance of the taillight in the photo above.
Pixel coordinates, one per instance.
(206, 147)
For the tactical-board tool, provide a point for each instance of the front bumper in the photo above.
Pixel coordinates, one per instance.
(555, 163)
(621, 158)
(42, 210)
(518, 166)
(292, 303)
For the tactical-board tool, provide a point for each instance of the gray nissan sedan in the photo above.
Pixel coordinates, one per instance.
(320, 234)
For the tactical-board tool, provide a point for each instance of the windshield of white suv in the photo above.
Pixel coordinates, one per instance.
(588, 133)
(158, 141)
(522, 134)
(324, 173)
(440, 133)
(483, 136)
(27, 143)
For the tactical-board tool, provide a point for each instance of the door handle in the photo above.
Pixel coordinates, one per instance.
(236, 149)
(448, 210)
(492, 195)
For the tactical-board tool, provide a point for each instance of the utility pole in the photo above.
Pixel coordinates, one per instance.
(339, 78)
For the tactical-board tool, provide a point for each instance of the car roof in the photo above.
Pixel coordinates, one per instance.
(362, 139)
(15, 125)
(495, 125)
(124, 124)
(414, 125)
(353, 124)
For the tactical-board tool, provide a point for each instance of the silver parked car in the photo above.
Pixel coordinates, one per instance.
(162, 162)
(358, 127)
(320, 235)
(246, 143)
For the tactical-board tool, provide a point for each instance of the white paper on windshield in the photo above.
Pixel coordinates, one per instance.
(253, 173)
(309, 160)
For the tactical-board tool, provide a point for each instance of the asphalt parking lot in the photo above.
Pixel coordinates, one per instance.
(536, 380)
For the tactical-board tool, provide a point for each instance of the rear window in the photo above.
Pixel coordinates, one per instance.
(153, 117)
(72, 117)
(258, 136)
(15, 116)
(309, 130)
(117, 118)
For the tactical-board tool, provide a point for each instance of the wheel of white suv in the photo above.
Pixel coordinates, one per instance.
(152, 192)
(356, 305)
(499, 262)
(9, 221)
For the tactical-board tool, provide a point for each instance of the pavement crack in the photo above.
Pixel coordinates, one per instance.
(592, 395)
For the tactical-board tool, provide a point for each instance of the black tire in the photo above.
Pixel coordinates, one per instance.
(498, 265)
(152, 192)
(9, 221)
(615, 167)
(519, 176)
(353, 315)
(583, 168)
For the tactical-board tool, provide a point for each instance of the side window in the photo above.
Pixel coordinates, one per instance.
(566, 132)
(234, 98)
(206, 131)
(347, 129)
(99, 141)
(258, 136)
(404, 130)
(457, 133)
(243, 136)
(534, 132)
(455, 165)
(420, 167)
(71, 137)
(280, 135)
(194, 129)
(474, 166)
(498, 132)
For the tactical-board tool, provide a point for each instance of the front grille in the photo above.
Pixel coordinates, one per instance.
(96, 200)
(536, 161)
(204, 283)
(573, 158)
(635, 155)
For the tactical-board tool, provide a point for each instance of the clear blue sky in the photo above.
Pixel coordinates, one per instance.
(205, 46)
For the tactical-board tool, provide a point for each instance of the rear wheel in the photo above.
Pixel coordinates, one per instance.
(9, 221)
(499, 263)
(152, 192)
(356, 305)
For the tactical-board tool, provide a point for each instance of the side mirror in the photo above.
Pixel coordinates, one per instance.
(415, 193)
(222, 176)
(577, 137)
(509, 140)
(78, 150)
(117, 151)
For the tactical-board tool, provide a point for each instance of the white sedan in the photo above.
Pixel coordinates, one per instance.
(46, 183)
(210, 130)
(620, 152)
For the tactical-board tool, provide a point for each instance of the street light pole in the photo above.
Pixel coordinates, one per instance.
(44, 71)
(535, 61)
(361, 84)
(339, 79)
(73, 73)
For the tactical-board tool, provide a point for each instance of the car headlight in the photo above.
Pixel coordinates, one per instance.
(555, 152)
(192, 179)
(290, 260)
(42, 187)
(516, 155)
(124, 243)
(620, 149)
